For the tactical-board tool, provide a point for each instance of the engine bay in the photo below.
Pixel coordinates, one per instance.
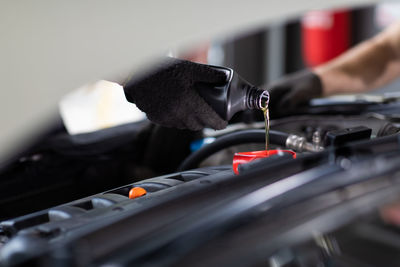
(73, 200)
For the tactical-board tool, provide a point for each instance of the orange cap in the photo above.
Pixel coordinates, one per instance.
(136, 192)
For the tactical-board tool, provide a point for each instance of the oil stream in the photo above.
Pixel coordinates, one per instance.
(266, 120)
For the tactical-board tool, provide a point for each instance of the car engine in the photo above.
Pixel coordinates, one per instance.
(143, 195)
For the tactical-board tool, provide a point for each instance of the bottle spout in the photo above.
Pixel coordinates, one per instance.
(257, 98)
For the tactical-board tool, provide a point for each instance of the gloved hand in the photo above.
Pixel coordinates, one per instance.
(293, 91)
(169, 97)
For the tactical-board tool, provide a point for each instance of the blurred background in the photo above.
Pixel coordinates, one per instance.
(288, 45)
(259, 55)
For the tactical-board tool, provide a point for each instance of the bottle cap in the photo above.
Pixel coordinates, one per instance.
(136, 192)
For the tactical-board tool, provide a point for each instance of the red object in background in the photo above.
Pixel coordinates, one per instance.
(246, 157)
(325, 35)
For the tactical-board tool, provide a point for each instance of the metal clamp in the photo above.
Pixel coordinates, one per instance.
(300, 144)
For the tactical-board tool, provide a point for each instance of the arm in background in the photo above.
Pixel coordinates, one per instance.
(369, 65)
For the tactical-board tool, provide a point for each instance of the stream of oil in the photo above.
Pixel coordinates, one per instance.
(266, 119)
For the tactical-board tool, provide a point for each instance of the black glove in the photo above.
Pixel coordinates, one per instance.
(292, 92)
(169, 97)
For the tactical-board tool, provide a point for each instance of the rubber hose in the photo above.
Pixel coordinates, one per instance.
(231, 139)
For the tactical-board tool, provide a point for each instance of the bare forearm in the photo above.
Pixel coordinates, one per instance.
(369, 65)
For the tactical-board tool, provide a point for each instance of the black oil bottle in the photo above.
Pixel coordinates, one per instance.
(235, 95)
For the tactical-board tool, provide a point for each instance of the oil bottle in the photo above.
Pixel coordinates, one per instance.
(235, 95)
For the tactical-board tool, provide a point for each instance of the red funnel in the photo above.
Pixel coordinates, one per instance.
(246, 157)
